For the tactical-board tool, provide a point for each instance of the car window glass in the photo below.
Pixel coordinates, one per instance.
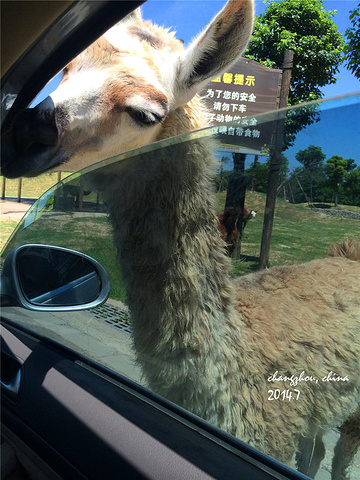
(80, 213)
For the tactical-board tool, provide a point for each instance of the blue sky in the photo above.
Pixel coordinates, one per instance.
(338, 137)
(189, 17)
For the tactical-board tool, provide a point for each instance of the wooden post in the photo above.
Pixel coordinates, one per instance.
(3, 188)
(59, 176)
(19, 190)
(81, 195)
(306, 197)
(275, 163)
(253, 175)
(235, 198)
(291, 193)
(236, 187)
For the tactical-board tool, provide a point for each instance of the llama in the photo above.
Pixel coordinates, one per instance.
(229, 235)
(214, 345)
(248, 216)
(228, 226)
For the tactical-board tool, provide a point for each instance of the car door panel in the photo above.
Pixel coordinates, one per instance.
(86, 424)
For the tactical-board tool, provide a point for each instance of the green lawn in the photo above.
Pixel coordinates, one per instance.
(299, 235)
(6, 229)
(31, 187)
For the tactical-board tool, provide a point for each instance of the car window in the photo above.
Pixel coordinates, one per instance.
(104, 211)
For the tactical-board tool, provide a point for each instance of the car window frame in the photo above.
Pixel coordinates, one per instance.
(75, 29)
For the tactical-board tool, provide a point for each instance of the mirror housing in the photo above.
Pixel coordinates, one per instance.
(47, 278)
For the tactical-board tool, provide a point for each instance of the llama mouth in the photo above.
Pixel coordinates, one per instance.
(37, 159)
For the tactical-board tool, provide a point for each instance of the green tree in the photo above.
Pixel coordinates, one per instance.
(352, 48)
(305, 27)
(261, 177)
(336, 168)
(262, 173)
(222, 178)
(298, 187)
(349, 192)
(312, 159)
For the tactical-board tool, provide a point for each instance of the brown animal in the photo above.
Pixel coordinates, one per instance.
(228, 226)
(222, 348)
(230, 243)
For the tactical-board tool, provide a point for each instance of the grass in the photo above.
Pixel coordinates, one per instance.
(85, 232)
(299, 234)
(31, 187)
(6, 229)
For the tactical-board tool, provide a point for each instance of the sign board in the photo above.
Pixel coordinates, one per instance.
(238, 95)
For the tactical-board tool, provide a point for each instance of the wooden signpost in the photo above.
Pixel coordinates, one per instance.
(275, 163)
(238, 96)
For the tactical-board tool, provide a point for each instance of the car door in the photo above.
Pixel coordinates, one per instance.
(72, 418)
(74, 400)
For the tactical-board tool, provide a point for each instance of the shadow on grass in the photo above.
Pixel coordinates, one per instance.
(249, 258)
(245, 264)
(321, 205)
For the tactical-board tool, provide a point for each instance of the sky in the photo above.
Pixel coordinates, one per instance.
(340, 138)
(176, 14)
(189, 17)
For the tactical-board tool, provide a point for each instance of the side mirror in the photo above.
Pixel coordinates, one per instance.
(47, 278)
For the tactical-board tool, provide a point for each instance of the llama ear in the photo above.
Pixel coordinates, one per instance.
(216, 48)
(134, 15)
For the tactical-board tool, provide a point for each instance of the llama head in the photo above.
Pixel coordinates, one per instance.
(121, 91)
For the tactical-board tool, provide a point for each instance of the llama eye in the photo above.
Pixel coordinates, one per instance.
(144, 117)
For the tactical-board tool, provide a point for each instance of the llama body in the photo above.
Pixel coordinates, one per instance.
(199, 342)
(211, 350)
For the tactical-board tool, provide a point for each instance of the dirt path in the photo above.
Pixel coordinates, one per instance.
(13, 210)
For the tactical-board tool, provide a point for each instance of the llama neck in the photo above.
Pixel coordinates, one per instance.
(176, 273)
(188, 118)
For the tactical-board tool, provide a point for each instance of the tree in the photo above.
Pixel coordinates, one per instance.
(260, 179)
(299, 186)
(312, 159)
(336, 168)
(352, 48)
(307, 29)
(222, 177)
(253, 173)
(349, 192)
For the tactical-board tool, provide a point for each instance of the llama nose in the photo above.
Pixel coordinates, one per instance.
(36, 126)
